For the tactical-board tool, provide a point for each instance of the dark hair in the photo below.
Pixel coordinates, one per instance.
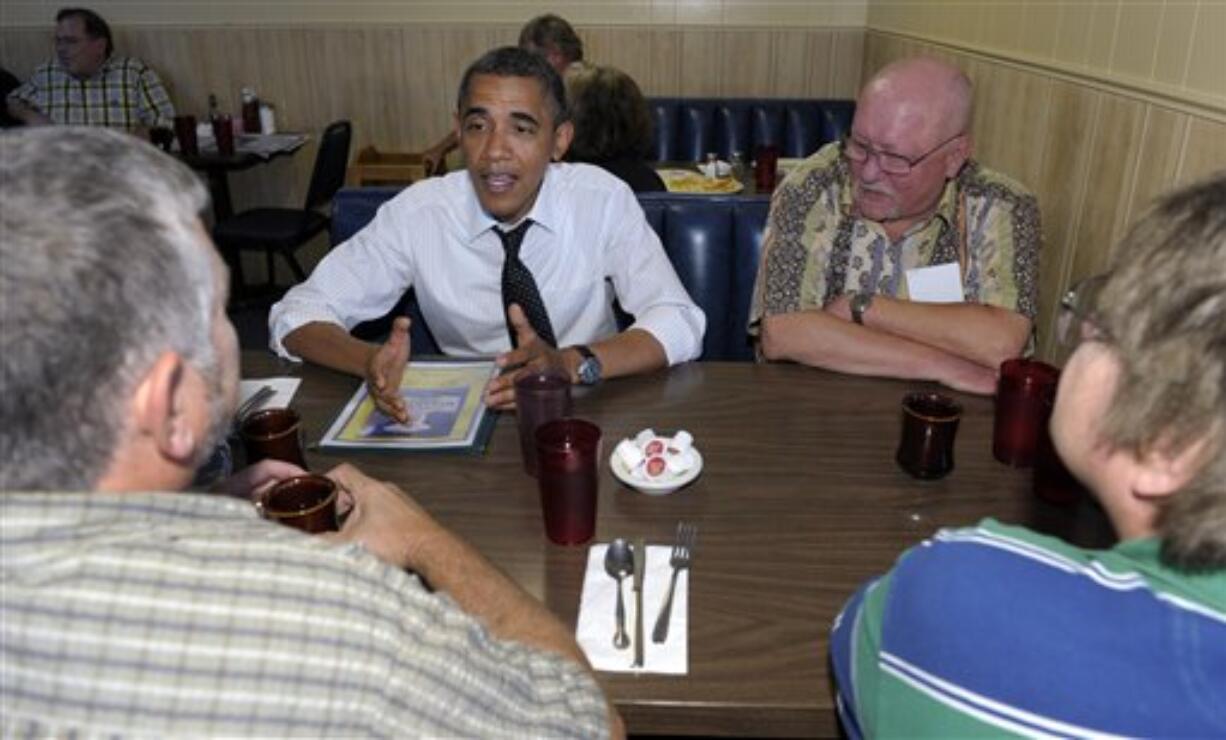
(512, 61)
(94, 25)
(610, 116)
(552, 32)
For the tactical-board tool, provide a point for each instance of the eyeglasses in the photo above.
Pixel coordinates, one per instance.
(1078, 321)
(890, 163)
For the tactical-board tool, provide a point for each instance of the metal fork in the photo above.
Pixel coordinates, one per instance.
(683, 550)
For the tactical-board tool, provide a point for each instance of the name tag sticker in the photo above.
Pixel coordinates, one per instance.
(936, 284)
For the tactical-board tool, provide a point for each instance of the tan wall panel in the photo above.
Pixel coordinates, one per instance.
(1174, 42)
(1207, 57)
(780, 13)
(1136, 39)
(1204, 152)
(1171, 50)
(1157, 161)
(1117, 138)
(1010, 111)
(1061, 189)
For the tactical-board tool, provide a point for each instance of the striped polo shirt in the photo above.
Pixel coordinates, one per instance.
(998, 630)
(124, 93)
(186, 615)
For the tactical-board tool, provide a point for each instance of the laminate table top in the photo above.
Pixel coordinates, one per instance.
(799, 502)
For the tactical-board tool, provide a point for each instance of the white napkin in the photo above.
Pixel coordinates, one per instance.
(283, 391)
(597, 618)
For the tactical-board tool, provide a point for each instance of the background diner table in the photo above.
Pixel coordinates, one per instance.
(798, 503)
(249, 150)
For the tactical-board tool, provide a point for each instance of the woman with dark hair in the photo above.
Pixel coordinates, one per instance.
(612, 125)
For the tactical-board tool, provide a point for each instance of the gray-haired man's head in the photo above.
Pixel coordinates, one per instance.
(104, 269)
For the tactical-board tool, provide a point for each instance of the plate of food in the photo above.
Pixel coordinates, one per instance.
(656, 464)
(688, 181)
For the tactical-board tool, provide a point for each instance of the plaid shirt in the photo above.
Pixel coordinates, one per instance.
(167, 614)
(124, 94)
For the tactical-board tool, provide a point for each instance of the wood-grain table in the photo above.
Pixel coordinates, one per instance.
(798, 503)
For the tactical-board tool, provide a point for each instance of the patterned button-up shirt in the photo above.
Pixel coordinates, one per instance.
(186, 615)
(124, 94)
(816, 249)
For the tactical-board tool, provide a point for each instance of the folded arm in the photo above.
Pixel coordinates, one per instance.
(986, 335)
(823, 339)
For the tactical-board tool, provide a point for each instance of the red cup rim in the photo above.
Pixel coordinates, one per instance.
(1029, 371)
(554, 434)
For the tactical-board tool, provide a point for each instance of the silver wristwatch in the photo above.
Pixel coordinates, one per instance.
(589, 367)
(859, 304)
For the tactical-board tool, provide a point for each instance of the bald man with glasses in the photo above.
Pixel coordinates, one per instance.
(893, 253)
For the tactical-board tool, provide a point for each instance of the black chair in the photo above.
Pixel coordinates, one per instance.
(283, 230)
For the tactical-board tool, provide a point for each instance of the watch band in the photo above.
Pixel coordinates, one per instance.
(859, 304)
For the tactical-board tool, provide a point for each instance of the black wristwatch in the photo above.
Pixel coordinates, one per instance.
(859, 304)
(589, 367)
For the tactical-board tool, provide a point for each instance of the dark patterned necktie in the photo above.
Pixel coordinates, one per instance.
(519, 287)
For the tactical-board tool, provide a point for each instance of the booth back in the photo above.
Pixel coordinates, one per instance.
(687, 129)
(713, 242)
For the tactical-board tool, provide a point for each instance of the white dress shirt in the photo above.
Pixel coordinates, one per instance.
(589, 242)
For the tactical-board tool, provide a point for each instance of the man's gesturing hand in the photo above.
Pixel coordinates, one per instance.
(384, 370)
(532, 354)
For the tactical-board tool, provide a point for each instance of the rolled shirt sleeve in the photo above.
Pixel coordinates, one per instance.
(647, 286)
(359, 280)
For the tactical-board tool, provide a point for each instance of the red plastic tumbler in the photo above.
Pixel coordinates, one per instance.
(568, 453)
(765, 168)
(1022, 409)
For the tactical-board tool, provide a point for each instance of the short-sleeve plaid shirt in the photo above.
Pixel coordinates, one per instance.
(125, 93)
(167, 614)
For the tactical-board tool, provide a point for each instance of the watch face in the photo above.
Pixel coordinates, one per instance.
(589, 371)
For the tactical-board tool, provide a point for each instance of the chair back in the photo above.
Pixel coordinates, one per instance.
(330, 164)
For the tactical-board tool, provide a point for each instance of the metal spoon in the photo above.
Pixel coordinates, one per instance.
(619, 563)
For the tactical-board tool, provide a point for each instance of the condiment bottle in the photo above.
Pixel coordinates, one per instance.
(251, 111)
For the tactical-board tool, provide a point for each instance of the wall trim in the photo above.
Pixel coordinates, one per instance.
(1176, 99)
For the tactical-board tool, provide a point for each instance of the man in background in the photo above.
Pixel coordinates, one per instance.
(133, 609)
(548, 35)
(87, 84)
(997, 630)
(893, 253)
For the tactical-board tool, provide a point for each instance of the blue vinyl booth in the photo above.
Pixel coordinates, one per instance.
(687, 129)
(714, 243)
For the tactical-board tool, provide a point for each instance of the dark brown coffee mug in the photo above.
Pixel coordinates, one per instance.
(306, 502)
(273, 434)
(929, 424)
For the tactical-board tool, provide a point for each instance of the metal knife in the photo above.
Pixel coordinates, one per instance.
(640, 565)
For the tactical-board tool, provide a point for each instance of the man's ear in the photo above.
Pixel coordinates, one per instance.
(563, 135)
(1162, 471)
(960, 151)
(160, 409)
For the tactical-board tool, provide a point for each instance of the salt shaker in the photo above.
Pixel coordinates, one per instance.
(738, 166)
